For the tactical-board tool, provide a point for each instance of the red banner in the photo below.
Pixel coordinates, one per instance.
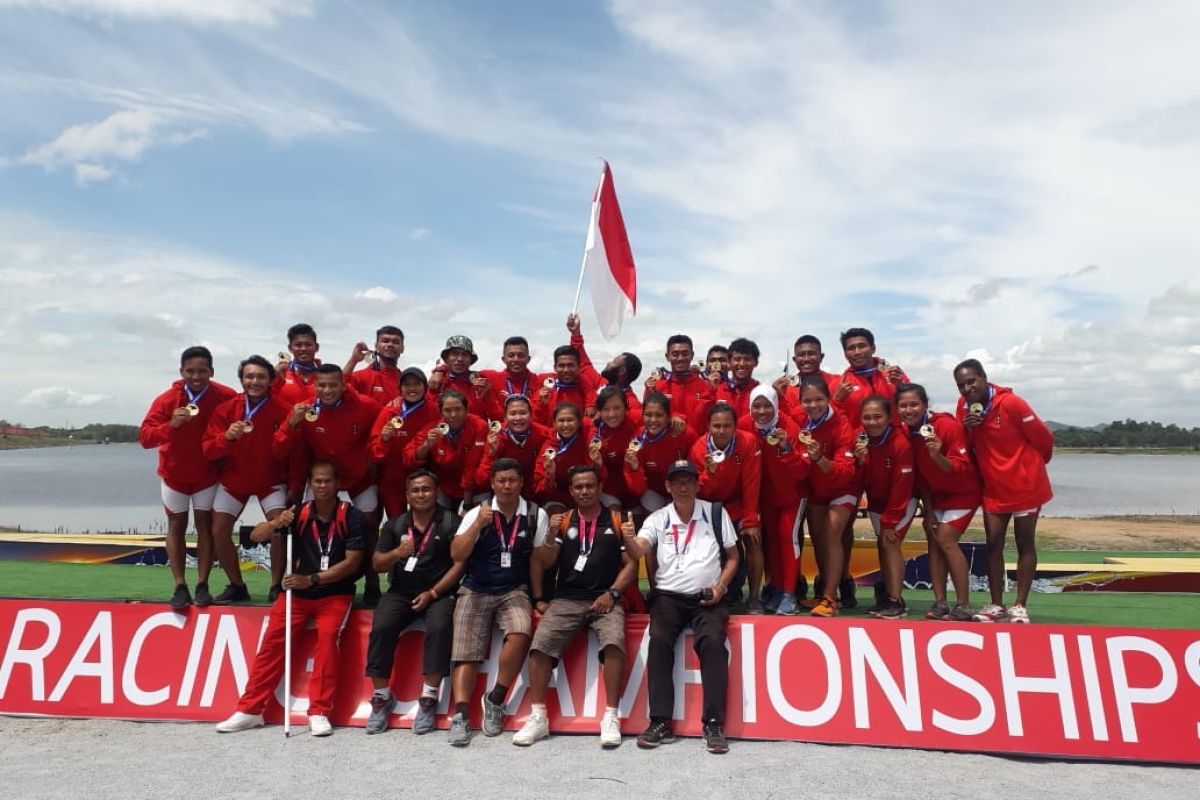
(1113, 693)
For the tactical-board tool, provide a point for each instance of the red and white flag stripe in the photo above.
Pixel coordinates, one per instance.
(608, 260)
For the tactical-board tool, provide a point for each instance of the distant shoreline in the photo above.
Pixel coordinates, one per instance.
(43, 442)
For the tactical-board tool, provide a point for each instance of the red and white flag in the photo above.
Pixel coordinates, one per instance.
(608, 260)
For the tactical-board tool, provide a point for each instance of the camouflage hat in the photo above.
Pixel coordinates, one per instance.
(459, 342)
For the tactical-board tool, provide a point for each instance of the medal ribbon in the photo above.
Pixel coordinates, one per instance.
(813, 424)
(562, 446)
(915, 430)
(194, 399)
(643, 437)
(887, 434)
(712, 447)
(250, 412)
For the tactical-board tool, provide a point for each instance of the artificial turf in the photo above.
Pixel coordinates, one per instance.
(143, 583)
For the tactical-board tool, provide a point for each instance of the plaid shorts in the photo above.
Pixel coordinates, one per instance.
(565, 618)
(476, 611)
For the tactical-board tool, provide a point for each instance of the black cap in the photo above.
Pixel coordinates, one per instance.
(414, 372)
(681, 466)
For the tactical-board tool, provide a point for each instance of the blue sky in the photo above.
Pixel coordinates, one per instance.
(1016, 182)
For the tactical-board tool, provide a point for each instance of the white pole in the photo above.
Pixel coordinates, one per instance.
(287, 645)
(588, 241)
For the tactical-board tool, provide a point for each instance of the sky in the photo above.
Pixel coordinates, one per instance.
(1015, 182)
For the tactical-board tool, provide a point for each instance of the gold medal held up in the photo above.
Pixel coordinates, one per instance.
(927, 431)
(862, 437)
(397, 423)
(805, 438)
(193, 409)
(718, 456)
(550, 453)
(776, 437)
(975, 408)
(548, 383)
(442, 428)
(312, 414)
(247, 426)
(494, 426)
(634, 446)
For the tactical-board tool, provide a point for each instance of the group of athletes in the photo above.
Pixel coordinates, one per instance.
(722, 473)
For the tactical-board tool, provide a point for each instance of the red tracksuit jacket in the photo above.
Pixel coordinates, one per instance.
(378, 381)
(504, 384)
(575, 453)
(738, 480)
(527, 453)
(737, 395)
(341, 434)
(577, 393)
(784, 468)
(249, 465)
(295, 385)
(181, 461)
(589, 375)
(485, 405)
(655, 455)
(691, 397)
(873, 382)
(789, 398)
(389, 455)
(888, 477)
(837, 445)
(958, 488)
(613, 444)
(455, 458)
(1012, 448)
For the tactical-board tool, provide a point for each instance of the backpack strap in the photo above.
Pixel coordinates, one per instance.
(718, 524)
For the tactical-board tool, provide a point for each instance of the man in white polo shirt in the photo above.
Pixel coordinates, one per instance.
(696, 547)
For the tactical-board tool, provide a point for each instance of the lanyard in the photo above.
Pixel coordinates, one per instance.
(250, 412)
(418, 549)
(586, 541)
(327, 545)
(194, 399)
(691, 529)
(498, 521)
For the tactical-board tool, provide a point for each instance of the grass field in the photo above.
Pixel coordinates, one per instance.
(138, 583)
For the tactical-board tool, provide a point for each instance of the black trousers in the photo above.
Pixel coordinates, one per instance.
(669, 614)
(395, 613)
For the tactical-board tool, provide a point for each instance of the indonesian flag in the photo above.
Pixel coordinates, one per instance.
(609, 261)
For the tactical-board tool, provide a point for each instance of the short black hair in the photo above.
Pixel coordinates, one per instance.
(314, 466)
(904, 388)
(744, 346)
(504, 465)
(721, 407)
(659, 398)
(583, 469)
(681, 338)
(514, 341)
(566, 350)
(517, 397)
(716, 348)
(608, 393)
(566, 405)
(196, 351)
(390, 330)
(971, 364)
(808, 338)
(452, 394)
(257, 361)
(814, 382)
(633, 366)
(879, 400)
(301, 329)
(421, 472)
(329, 369)
(853, 333)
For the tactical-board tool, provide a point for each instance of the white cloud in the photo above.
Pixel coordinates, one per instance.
(252, 12)
(61, 397)
(380, 293)
(417, 234)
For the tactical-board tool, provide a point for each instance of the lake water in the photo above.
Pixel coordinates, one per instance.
(113, 487)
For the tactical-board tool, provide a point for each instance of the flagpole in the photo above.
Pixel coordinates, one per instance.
(587, 240)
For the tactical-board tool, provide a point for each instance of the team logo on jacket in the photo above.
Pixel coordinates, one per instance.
(354, 428)
(997, 420)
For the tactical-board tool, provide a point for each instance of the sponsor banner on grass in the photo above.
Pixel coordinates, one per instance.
(1113, 693)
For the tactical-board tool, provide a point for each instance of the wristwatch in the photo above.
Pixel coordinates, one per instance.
(614, 594)
(313, 580)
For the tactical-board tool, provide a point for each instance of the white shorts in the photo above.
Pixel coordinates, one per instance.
(652, 501)
(365, 501)
(226, 503)
(1029, 512)
(947, 515)
(902, 526)
(179, 503)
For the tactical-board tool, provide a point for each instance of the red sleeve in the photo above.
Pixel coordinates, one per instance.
(214, 444)
(156, 427)
(477, 428)
(377, 448)
(956, 449)
(633, 408)
(543, 482)
(587, 371)
(409, 460)
(635, 479)
(901, 490)
(542, 408)
(843, 465)
(1036, 432)
(751, 480)
(283, 443)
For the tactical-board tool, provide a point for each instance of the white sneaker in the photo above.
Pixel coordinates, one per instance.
(319, 725)
(1018, 614)
(536, 727)
(991, 613)
(240, 722)
(610, 730)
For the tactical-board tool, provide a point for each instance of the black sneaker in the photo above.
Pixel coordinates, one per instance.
(274, 592)
(714, 738)
(232, 593)
(182, 598)
(203, 595)
(895, 609)
(656, 733)
(801, 588)
(880, 605)
(371, 595)
(846, 592)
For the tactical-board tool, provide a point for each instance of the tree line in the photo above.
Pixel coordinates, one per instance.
(1132, 434)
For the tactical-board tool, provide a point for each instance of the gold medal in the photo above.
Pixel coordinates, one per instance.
(247, 426)
(193, 409)
(550, 453)
(776, 437)
(862, 437)
(975, 408)
(884, 366)
(442, 428)
(634, 446)
(794, 380)
(494, 426)
(805, 438)
(718, 456)
(397, 423)
(312, 414)
(548, 383)
(927, 431)
(656, 373)
(283, 356)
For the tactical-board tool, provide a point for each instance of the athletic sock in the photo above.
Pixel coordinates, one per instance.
(612, 710)
(498, 693)
(461, 708)
(428, 691)
(385, 692)
(538, 709)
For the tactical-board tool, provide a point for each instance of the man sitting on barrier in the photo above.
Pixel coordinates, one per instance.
(330, 536)
(498, 538)
(696, 547)
(592, 571)
(414, 549)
